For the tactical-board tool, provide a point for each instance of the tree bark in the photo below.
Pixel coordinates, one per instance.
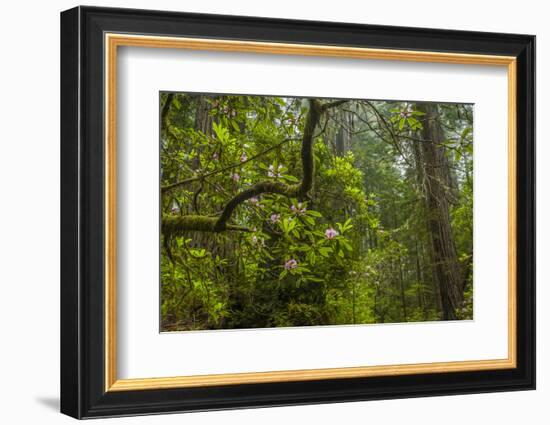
(203, 120)
(435, 172)
(343, 136)
(402, 290)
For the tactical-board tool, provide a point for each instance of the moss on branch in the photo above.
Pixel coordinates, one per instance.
(178, 225)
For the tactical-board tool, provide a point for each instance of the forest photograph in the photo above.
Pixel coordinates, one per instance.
(291, 211)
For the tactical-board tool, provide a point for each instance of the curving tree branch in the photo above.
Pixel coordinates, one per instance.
(178, 225)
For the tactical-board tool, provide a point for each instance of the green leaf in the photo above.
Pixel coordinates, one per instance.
(221, 132)
(311, 257)
(401, 123)
(314, 213)
(315, 279)
(235, 126)
(466, 132)
(346, 244)
(284, 225)
(290, 178)
(309, 221)
(347, 225)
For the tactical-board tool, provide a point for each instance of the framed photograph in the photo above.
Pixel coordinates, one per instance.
(261, 212)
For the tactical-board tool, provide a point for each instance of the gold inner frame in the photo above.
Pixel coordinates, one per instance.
(113, 41)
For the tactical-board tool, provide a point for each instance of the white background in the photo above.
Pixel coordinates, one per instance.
(140, 346)
(29, 225)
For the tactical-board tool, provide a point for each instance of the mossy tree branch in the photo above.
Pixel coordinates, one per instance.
(178, 225)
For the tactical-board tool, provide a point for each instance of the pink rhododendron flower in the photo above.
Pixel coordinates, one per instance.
(292, 121)
(297, 209)
(243, 157)
(272, 173)
(406, 112)
(235, 177)
(175, 209)
(215, 156)
(254, 200)
(275, 218)
(291, 264)
(330, 233)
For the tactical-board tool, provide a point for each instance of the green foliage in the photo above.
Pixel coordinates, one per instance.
(356, 250)
(406, 117)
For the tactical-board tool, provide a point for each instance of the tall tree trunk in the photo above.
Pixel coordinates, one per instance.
(420, 282)
(402, 290)
(203, 120)
(342, 139)
(446, 268)
(427, 254)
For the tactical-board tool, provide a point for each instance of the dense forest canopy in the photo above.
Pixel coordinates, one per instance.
(280, 211)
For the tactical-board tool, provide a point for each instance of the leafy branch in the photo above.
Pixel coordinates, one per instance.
(177, 225)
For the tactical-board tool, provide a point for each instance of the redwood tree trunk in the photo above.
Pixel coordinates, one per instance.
(435, 171)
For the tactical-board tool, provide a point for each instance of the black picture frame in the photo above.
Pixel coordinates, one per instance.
(83, 392)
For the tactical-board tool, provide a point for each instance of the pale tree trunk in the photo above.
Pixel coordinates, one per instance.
(342, 140)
